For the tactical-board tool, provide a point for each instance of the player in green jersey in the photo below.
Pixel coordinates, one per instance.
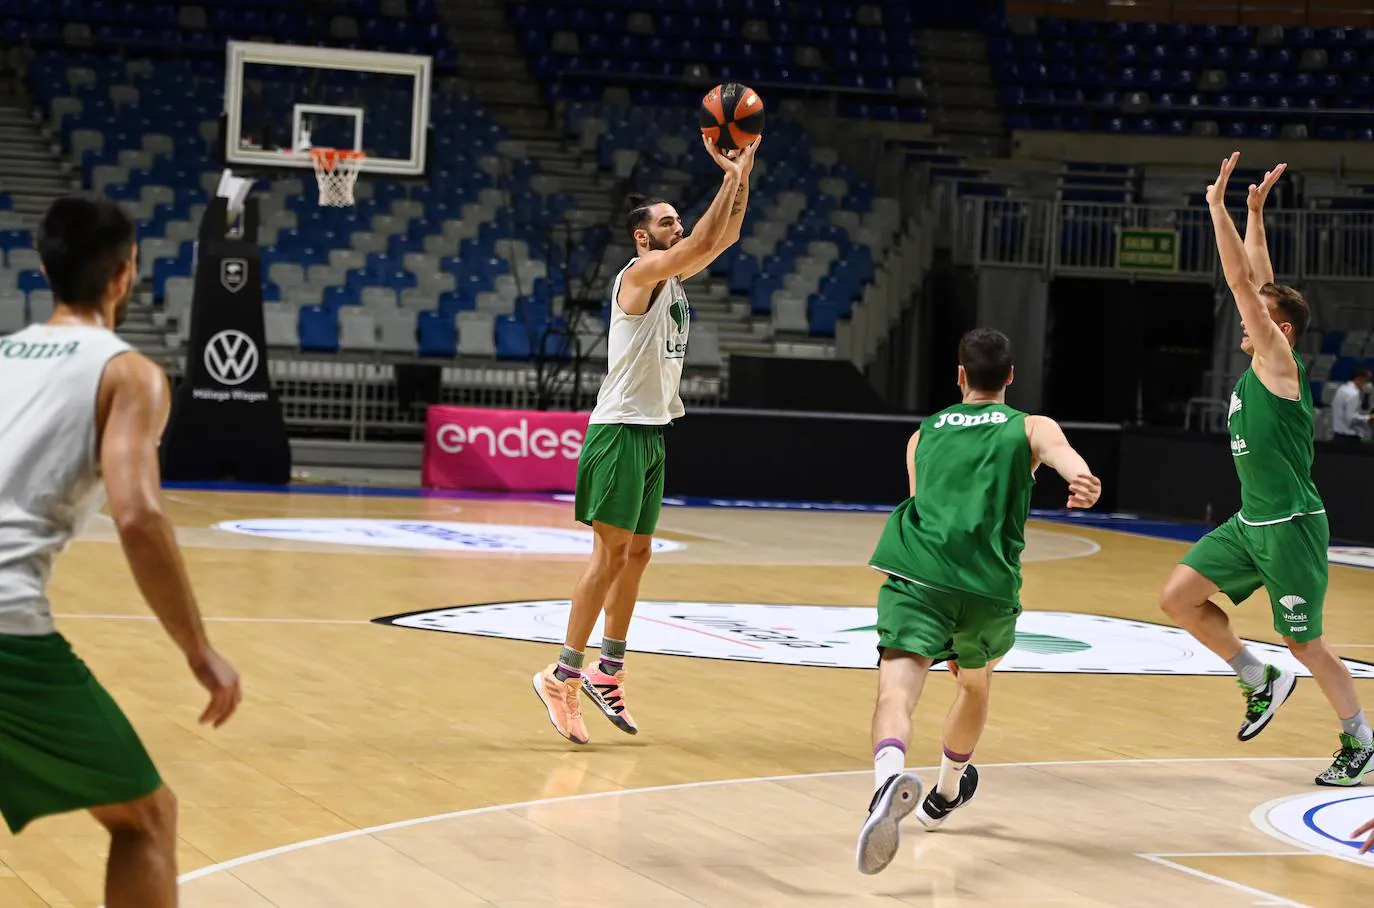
(1279, 538)
(952, 556)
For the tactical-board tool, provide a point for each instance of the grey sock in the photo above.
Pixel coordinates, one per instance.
(569, 664)
(612, 655)
(1358, 728)
(1247, 667)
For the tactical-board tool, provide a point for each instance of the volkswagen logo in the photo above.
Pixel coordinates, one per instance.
(231, 357)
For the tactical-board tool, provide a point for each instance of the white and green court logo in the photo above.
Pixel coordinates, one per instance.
(845, 637)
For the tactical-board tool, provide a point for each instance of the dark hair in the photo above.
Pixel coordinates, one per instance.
(985, 354)
(1360, 372)
(1291, 303)
(639, 212)
(82, 242)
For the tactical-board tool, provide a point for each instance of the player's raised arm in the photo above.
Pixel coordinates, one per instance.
(1268, 340)
(658, 265)
(735, 223)
(134, 405)
(1256, 242)
(1050, 447)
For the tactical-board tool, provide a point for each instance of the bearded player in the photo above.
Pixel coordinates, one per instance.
(620, 470)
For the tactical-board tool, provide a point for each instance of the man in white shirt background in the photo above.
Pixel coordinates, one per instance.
(1349, 418)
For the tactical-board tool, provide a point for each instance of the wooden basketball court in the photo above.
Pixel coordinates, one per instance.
(375, 764)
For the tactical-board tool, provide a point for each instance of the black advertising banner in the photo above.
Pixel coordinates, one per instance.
(226, 421)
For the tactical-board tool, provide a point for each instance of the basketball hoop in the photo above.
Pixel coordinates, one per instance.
(336, 172)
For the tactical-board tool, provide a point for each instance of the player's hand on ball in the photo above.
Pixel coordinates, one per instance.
(1216, 193)
(746, 156)
(721, 159)
(1369, 842)
(1084, 491)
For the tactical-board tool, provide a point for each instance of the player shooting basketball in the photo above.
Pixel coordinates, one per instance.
(1279, 537)
(620, 471)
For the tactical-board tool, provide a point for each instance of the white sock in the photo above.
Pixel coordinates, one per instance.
(951, 771)
(889, 758)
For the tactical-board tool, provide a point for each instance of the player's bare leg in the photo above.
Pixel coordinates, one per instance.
(963, 728)
(604, 682)
(901, 677)
(1186, 601)
(142, 867)
(1353, 760)
(557, 684)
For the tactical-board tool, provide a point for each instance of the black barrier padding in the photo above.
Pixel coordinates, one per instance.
(754, 455)
(791, 383)
(226, 422)
(1176, 475)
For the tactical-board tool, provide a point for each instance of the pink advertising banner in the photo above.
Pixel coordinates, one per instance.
(486, 449)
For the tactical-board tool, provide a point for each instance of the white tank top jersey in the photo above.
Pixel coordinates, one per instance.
(50, 481)
(644, 358)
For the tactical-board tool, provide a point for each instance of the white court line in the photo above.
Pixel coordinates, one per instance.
(592, 796)
(228, 619)
(1268, 897)
(1239, 854)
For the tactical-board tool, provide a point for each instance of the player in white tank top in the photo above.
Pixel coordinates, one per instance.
(81, 413)
(620, 471)
(644, 359)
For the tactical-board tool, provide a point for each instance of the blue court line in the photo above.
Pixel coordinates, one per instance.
(1127, 523)
(345, 490)
(1309, 819)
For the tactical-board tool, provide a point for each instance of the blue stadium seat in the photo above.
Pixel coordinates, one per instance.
(512, 338)
(438, 334)
(318, 327)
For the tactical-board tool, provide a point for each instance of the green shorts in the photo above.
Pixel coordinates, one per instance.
(1288, 559)
(958, 627)
(620, 477)
(64, 744)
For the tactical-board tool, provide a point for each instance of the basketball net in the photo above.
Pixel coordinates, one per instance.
(336, 172)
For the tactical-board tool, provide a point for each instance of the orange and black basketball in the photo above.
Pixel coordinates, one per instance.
(732, 115)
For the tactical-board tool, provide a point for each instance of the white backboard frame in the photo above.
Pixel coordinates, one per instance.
(240, 53)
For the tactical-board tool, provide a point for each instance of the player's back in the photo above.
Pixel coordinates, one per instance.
(1272, 448)
(964, 529)
(49, 470)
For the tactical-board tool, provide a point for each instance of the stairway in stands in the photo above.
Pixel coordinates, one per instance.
(964, 108)
(492, 62)
(31, 172)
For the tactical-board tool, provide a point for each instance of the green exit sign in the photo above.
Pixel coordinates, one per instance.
(1141, 249)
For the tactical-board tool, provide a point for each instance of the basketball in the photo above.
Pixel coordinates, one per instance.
(732, 115)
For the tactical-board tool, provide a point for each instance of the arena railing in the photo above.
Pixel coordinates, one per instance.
(362, 399)
(1082, 238)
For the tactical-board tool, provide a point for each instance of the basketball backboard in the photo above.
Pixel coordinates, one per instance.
(281, 99)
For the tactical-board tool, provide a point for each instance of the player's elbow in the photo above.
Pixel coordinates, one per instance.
(137, 519)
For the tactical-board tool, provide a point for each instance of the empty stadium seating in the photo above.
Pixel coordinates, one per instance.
(578, 48)
(392, 254)
(814, 228)
(1184, 79)
(399, 272)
